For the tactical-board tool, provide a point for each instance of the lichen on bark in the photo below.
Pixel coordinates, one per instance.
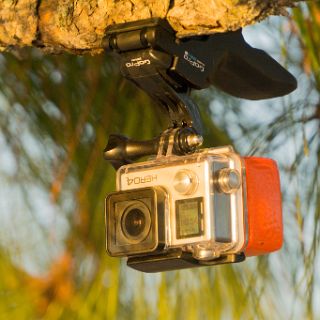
(18, 23)
(221, 15)
(124, 10)
(79, 25)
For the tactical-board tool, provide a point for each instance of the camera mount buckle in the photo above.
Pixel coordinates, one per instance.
(167, 68)
(176, 260)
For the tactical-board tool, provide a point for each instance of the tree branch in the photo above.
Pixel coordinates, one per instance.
(78, 26)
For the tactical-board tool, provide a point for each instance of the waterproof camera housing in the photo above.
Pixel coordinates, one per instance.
(206, 208)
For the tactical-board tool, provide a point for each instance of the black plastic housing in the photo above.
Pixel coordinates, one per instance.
(224, 60)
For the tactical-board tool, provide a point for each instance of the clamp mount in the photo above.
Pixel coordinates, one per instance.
(168, 68)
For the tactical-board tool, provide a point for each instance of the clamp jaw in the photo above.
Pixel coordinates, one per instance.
(167, 68)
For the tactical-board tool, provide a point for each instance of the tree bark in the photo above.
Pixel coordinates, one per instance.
(78, 26)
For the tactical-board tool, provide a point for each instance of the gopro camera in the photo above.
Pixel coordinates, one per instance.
(189, 208)
(207, 208)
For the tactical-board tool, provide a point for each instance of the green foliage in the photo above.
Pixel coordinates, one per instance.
(16, 301)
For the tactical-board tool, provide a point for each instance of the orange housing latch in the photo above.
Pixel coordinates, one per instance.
(264, 209)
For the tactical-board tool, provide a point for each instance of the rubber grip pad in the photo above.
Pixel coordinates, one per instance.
(265, 227)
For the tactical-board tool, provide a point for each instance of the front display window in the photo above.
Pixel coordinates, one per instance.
(189, 215)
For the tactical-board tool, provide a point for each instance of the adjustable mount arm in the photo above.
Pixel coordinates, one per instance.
(167, 68)
(149, 56)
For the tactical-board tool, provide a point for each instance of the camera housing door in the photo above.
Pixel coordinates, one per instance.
(203, 217)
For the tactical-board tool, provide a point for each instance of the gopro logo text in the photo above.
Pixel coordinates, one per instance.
(194, 61)
(137, 62)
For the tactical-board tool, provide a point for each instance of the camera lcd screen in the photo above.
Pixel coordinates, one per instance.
(189, 218)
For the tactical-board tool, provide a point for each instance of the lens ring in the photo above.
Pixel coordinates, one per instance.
(136, 222)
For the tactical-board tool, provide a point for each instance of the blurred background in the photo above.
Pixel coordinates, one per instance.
(56, 113)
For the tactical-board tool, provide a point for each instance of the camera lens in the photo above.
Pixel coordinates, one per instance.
(136, 222)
